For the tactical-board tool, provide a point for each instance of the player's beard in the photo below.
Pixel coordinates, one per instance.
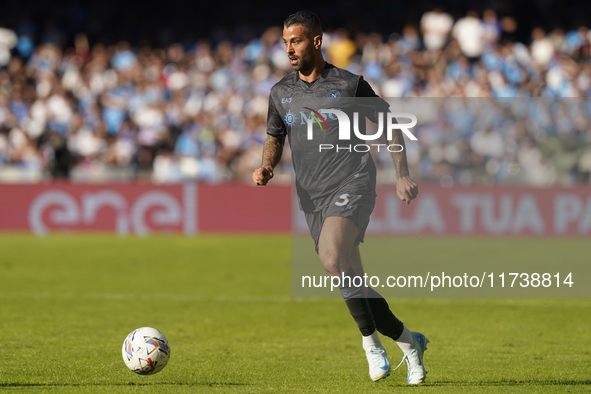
(306, 61)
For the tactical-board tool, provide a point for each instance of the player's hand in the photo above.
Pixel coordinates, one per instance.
(262, 176)
(406, 189)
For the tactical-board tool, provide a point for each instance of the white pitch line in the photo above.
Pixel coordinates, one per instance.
(528, 302)
(156, 297)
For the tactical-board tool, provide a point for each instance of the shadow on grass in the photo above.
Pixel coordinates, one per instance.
(448, 383)
(208, 384)
(532, 382)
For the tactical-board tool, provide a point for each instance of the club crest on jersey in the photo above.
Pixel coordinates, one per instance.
(334, 95)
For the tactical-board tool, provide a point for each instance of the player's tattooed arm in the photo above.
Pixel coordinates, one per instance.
(271, 155)
(272, 151)
(399, 157)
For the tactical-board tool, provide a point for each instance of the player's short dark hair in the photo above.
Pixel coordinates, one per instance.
(308, 19)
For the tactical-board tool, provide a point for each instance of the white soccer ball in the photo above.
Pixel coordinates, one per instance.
(146, 351)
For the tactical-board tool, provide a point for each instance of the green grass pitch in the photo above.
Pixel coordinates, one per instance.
(68, 301)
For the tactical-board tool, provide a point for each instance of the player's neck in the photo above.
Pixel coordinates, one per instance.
(315, 72)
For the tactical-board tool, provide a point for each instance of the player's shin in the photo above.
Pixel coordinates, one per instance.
(353, 292)
(386, 322)
(354, 296)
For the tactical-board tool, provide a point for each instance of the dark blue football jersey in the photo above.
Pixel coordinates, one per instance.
(321, 173)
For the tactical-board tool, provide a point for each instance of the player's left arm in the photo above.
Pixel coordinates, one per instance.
(406, 189)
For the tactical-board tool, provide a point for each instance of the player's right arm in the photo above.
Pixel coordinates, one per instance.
(272, 151)
(273, 148)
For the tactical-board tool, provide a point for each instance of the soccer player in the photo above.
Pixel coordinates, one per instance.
(329, 181)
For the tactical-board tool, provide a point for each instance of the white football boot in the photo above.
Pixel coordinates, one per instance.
(379, 366)
(414, 359)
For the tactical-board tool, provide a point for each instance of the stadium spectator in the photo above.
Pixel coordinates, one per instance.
(340, 48)
(491, 26)
(470, 33)
(436, 26)
(542, 49)
(8, 40)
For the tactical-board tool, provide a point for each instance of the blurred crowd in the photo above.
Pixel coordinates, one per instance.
(527, 141)
(117, 112)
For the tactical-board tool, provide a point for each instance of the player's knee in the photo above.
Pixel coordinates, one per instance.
(333, 262)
